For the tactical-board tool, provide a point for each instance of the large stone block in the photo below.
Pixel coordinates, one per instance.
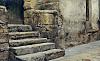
(30, 4)
(49, 6)
(4, 56)
(4, 46)
(3, 38)
(39, 18)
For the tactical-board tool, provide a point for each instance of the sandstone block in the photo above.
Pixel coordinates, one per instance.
(3, 38)
(27, 41)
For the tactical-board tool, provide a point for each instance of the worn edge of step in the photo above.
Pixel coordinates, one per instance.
(54, 53)
(17, 33)
(28, 49)
(17, 25)
(21, 42)
(48, 55)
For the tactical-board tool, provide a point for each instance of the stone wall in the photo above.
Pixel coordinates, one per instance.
(4, 45)
(70, 23)
(44, 16)
(78, 28)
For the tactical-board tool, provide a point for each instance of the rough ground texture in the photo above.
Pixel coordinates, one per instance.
(86, 52)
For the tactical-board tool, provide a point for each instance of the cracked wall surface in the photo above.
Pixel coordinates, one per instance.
(77, 29)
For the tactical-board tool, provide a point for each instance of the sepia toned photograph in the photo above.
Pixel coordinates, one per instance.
(49, 30)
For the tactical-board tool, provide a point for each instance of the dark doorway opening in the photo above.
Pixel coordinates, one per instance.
(15, 10)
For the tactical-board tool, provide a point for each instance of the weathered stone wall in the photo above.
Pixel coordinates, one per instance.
(44, 16)
(77, 28)
(4, 45)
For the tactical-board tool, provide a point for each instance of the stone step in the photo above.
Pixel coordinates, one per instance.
(32, 57)
(21, 35)
(42, 56)
(29, 49)
(19, 28)
(54, 53)
(27, 41)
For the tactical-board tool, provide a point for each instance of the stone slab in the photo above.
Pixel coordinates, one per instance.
(21, 35)
(27, 41)
(32, 57)
(29, 49)
(4, 47)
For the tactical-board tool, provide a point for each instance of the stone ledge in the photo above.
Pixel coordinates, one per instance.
(29, 49)
(27, 41)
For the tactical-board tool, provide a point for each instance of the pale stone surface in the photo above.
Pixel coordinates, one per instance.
(27, 41)
(30, 4)
(89, 52)
(32, 57)
(94, 8)
(4, 56)
(74, 13)
(21, 35)
(29, 49)
(54, 53)
(43, 56)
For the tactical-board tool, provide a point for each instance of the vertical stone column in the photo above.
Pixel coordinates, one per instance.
(4, 43)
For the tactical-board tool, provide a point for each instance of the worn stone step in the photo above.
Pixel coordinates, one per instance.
(31, 57)
(29, 49)
(27, 41)
(54, 53)
(19, 28)
(21, 35)
(42, 56)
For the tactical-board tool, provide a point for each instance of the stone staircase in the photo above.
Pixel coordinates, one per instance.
(27, 45)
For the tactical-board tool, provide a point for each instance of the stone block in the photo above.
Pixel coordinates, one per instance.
(30, 4)
(27, 41)
(4, 56)
(21, 35)
(3, 13)
(54, 53)
(29, 49)
(49, 6)
(32, 57)
(27, 5)
(47, 18)
(3, 38)
(4, 46)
